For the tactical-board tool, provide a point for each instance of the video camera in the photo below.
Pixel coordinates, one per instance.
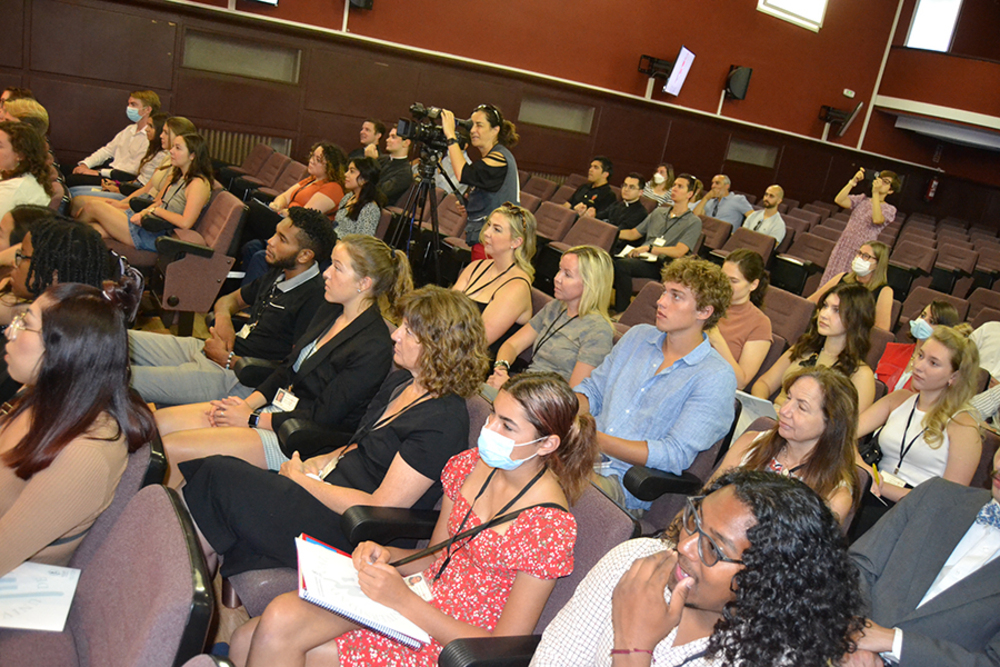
(424, 130)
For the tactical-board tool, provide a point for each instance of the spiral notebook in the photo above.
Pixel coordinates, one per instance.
(327, 579)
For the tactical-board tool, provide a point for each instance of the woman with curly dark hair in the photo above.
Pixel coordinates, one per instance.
(416, 422)
(25, 177)
(838, 337)
(760, 577)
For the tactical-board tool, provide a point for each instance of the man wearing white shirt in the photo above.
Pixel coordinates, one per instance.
(930, 571)
(768, 220)
(126, 150)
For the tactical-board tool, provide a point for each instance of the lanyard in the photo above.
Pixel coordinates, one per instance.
(548, 333)
(386, 419)
(500, 517)
(475, 279)
(695, 656)
(905, 450)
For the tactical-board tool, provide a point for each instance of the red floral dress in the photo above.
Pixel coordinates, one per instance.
(475, 585)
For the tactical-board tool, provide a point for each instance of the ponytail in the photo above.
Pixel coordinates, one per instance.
(508, 134)
(400, 287)
(389, 270)
(573, 461)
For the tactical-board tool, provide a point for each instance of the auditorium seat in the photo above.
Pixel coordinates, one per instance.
(716, 232)
(789, 314)
(742, 237)
(267, 176)
(822, 211)
(879, 339)
(562, 195)
(575, 180)
(540, 187)
(918, 299)
(953, 264)
(250, 166)
(909, 260)
(292, 173)
(827, 232)
(642, 310)
(530, 201)
(553, 222)
(585, 231)
(809, 216)
(980, 299)
(649, 204)
(800, 269)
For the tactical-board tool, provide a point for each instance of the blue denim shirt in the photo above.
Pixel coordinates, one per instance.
(680, 411)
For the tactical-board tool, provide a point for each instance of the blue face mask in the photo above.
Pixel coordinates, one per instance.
(920, 329)
(495, 450)
(133, 114)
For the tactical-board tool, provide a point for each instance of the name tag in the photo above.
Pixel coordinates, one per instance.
(285, 400)
(245, 331)
(660, 242)
(418, 585)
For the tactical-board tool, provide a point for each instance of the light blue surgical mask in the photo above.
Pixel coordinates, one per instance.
(495, 450)
(920, 329)
(133, 114)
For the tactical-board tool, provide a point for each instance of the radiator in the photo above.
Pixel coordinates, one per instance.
(233, 147)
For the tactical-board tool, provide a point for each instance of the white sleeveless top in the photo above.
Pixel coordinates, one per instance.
(922, 462)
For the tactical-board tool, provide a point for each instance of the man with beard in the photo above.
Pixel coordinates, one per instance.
(174, 370)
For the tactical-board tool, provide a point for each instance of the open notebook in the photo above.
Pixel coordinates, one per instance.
(327, 579)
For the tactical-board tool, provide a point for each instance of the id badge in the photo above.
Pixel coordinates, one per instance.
(418, 585)
(285, 400)
(660, 242)
(245, 331)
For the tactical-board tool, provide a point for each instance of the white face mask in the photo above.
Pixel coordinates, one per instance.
(495, 450)
(659, 178)
(861, 267)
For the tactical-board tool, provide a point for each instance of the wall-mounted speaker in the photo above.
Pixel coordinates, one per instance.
(737, 82)
(362, 4)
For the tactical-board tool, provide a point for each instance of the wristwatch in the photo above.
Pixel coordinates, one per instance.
(254, 418)
(452, 141)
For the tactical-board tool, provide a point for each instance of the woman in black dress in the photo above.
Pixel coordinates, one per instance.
(416, 422)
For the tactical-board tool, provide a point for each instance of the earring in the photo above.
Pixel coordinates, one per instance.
(359, 290)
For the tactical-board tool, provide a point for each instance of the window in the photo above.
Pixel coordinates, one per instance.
(805, 13)
(933, 24)
(553, 113)
(227, 55)
(749, 152)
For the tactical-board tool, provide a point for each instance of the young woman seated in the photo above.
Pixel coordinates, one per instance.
(332, 374)
(416, 422)
(534, 449)
(320, 190)
(838, 337)
(895, 367)
(927, 431)
(156, 155)
(25, 176)
(814, 440)
(360, 210)
(14, 224)
(173, 127)
(55, 250)
(65, 439)
(179, 203)
(869, 268)
(743, 336)
(572, 334)
(501, 286)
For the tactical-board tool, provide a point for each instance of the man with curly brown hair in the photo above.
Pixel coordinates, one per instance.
(664, 394)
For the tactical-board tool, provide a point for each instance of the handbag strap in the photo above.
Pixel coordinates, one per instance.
(471, 532)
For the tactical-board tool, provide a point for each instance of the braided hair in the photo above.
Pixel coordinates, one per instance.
(67, 251)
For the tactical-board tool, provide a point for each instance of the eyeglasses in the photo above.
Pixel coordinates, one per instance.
(708, 550)
(317, 158)
(865, 256)
(20, 257)
(17, 325)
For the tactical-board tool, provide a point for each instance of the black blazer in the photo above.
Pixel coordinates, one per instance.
(335, 385)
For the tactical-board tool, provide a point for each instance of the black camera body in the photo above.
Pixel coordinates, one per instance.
(423, 128)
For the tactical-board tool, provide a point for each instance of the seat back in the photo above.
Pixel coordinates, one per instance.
(385, 219)
(789, 314)
(762, 244)
(879, 338)
(778, 347)
(451, 218)
(553, 221)
(562, 195)
(575, 180)
(479, 409)
(145, 598)
(254, 161)
(220, 222)
(826, 232)
(591, 231)
(648, 204)
(913, 255)
(539, 299)
(716, 232)
(271, 169)
(812, 248)
(809, 216)
(540, 187)
(823, 212)
(530, 201)
(133, 479)
(642, 310)
(982, 298)
(292, 173)
(981, 478)
(601, 526)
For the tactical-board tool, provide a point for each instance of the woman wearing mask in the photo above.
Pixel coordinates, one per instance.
(895, 368)
(658, 187)
(868, 268)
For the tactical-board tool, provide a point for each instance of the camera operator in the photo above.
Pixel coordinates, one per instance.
(494, 178)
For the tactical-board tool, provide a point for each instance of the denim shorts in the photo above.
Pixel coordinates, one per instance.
(143, 239)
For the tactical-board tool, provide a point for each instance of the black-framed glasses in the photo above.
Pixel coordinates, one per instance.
(865, 256)
(20, 257)
(708, 550)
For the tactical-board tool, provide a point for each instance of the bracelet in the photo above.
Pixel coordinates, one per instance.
(628, 651)
(229, 359)
(502, 362)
